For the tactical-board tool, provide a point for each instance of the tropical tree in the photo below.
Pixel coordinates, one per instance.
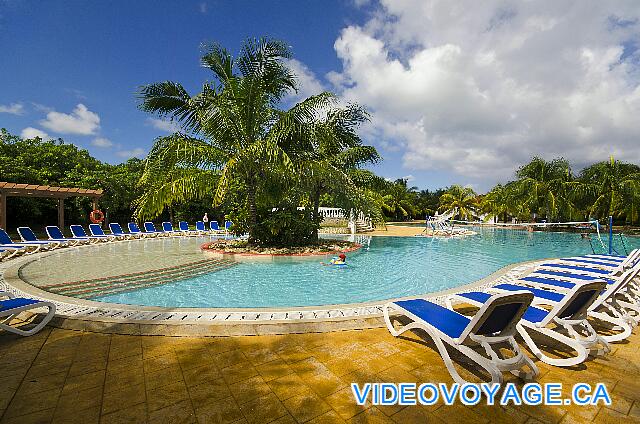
(463, 200)
(611, 188)
(544, 188)
(232, 131)
(328, 161)
(400, 199)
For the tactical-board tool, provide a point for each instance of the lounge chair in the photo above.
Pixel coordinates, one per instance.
(97, 231)
(27, 235)
(200, 228)
(8, 252)
(615, 306)
(78, 231)
(184, 229)
(566, 322)
(116, 230)
(134, 229)
(31, 247)
(228, 225)
(12, 306)
(214, 227)
(167, 228)
(54, 233)
(149, 228)
(493, 327)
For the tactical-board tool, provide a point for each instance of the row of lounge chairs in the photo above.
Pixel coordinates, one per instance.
(560, 299)
(31, 244)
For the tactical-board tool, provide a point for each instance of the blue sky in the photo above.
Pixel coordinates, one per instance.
(454, 99)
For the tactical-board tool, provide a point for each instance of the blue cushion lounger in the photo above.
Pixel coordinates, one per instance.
(149, 228)
(7, 244)
(12, 306)
(617, 306)
(78, 231)
(134, 229)
(8, 252)
(27, 235)
(184, 229)
(228, 225)
(55, 233)
(493, 326)
(97, 231)
(566, 322)
(167, 228)
(117, 230)
(200, 227)
(214, 226)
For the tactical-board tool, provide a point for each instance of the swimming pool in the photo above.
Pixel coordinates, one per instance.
(173, 272)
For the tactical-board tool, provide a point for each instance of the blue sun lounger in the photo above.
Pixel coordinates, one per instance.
(117, 230)
(27, 235)
(12, 306)
(78, 231)
(228, 225)
(167, 228)
(134, 229)
(29, 247)
(563, 323)
(150, 229)
(200, 227)
(493, 327)
(617, 306)
(214, 227)
(97, 231)
(184, 229)
(54, 233)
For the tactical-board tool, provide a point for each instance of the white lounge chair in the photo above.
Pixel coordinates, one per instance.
(566, 322)
(493, 327)
(12, 306)
(27, 235)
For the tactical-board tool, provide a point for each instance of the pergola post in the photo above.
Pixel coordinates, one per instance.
(3, 211)
(61, 213)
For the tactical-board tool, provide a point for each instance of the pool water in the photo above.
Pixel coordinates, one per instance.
(390, 267)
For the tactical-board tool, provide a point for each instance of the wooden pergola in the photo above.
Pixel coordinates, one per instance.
(29, 190)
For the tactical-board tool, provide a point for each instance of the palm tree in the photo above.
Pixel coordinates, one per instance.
(461, 199)
(232, 131)
(613, 189)
(400, 198)
(544, 188)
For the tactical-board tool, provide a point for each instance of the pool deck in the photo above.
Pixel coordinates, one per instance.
(66, 376)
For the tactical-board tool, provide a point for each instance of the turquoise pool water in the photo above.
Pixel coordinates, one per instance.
(390, 267)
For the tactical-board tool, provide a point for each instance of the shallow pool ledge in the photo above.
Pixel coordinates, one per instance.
(87, 315)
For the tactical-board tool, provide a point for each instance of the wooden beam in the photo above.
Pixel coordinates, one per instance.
(3, 211)
(61, 214)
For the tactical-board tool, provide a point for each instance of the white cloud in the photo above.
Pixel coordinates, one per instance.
(101, 142)
(137, 152)
(203, 7)
(308, 83)
(80, 121)
(478, 88)
(31, 132)
(163, 125)
(13, 108)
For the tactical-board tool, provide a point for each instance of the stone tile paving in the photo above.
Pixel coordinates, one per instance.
(65, 376)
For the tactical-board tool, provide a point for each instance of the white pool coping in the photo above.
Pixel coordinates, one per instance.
(91, 315)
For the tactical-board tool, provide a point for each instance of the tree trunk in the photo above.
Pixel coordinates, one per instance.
(253, 214)
(316, 207)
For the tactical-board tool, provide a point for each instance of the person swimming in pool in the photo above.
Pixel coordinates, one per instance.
(341, 259)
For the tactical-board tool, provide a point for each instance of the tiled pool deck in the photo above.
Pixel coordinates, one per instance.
(69, 376)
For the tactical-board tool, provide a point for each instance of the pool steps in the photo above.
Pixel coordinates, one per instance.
(97, 287)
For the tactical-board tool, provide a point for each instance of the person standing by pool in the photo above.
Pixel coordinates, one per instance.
(205, 218)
